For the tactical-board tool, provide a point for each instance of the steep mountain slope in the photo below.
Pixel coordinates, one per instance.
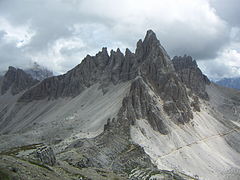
(191, 75)
(38, 72)
(133, 114)
(12, 85)
(229, 82)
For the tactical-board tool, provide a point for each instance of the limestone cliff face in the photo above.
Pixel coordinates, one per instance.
(104, 68)
(191, 75)
(158, 74)
(149, 67)
(16, 80)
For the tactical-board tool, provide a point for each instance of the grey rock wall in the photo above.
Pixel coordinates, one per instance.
(16, 80)
(191, 75)
(46, 155)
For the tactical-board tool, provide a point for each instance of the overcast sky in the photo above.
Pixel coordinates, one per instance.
(60, 33)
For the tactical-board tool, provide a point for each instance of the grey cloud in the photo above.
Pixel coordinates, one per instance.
(105, 24)
(217, 70)
(10, 54)
(182, 39)
(228, 10)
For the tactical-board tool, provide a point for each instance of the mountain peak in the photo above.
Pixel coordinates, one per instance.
(150, 35)
(127, 52)
(151, 38)
(16, 80)
(148, 45)
(182, 62)
(112, 68)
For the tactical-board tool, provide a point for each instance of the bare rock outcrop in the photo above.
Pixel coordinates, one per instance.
(158, 72)
(101, 68)
(150, 62)
(16, 80)
(45, 155)
(191, 75)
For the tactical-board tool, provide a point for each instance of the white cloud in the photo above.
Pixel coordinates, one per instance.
(227, 64)
(20, 35)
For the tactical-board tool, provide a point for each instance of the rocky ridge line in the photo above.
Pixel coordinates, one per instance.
(191, 75)
(16, 80)
(151, 63)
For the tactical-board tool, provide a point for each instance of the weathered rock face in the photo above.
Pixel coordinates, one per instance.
(16, 80)
(141, 105)
(103, 68)
(159, 74)
(150, 50)
(46, 155)
(150, 62)
(191, 75)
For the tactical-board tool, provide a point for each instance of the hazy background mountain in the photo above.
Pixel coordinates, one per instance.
(38, 72)
(230, 82)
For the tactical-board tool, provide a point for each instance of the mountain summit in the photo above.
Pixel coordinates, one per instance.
(16, 80)
(129, 115)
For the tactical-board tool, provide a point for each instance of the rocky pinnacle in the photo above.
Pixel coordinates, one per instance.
(16, 80)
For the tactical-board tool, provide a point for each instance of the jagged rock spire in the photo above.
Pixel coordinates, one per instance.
(149, 60)
(150, 49)
(151, 39)
(16, 80)
(191, 75)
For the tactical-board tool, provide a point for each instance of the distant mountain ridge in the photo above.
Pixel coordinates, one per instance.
(36, 70)
(16, 80)
(230, 82)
